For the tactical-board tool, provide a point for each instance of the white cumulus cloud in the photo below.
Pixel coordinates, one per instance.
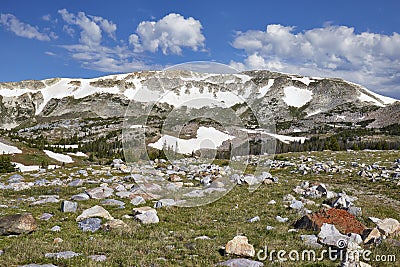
(13, 24)
(169, 34)
(91, 27)
(367, 58)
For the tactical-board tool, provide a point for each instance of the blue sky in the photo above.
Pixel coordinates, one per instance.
(355, 40)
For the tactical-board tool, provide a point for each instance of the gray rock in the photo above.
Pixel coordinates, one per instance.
(45, 200)
(98, 257)
(281, 219)
(80, 197)
(330, 236)
(241, 262)
(269, 228)
(15, 178)
(113, 202)
(69, 206)
(77, 182)
(356, 211)
(311, 241)
(1, 252)
(164, 202)
(55, 228)
(254, 219)
(62, 255)
(297, 205)
(100, 192)
(46, 216)
(138, 200)
(147, 218)
(90, 224)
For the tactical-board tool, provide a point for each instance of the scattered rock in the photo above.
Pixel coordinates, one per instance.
(330, 236)
(46, 199)
(17, 224)
(69, 206)
(241, 262)
(80, 197)
(269, 228)
(100, 192)
(142, 210)
(389, 226)
(254, 219)
(203, 237)
(96, 211)
(297, 205)
(280, 219)
(46, 216)
(113, 202)
(77, 182)
(58, 240)
(98, 257)
(138, 200)
(239, 245)
(62, 255)
(114, 224)
(90, 224)
(147, 217)
(56, 228)
(371, 236)
(311, 241)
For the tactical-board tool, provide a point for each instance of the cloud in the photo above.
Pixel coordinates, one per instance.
(170, 34)
(13, 24)
(367, 58)
(91, 27)
(49, 53)
(46, 17)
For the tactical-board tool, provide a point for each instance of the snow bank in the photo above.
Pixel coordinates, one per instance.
(6, 149)
(207, 137)
(58, 157)
(296, 97)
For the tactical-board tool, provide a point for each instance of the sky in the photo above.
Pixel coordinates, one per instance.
(355, 40)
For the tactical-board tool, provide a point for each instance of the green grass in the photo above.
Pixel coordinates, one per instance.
(172, 241)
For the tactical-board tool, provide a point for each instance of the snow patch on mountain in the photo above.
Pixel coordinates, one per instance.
(265, 89)
(59, 157)
(305, 80)
(296, 97)
(207, 137)
(7, 149)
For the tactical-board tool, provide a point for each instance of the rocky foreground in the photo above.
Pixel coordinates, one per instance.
(96, 215)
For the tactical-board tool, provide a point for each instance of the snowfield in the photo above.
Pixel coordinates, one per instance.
(265, 89)
(296, 97)
(6, 149)
(283, 138)
(207, 137)
(58, 157)
(305, 80)
(24, 168)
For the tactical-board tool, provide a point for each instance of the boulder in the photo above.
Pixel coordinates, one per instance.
(17, 224)
(96, 211)
(90, 224)
(239, 245)
(69, 206)
(100, 192)
(389, 226)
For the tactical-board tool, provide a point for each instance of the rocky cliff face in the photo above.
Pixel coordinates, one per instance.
(293, 102)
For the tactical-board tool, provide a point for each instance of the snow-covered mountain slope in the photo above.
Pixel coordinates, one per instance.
(272, 95)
